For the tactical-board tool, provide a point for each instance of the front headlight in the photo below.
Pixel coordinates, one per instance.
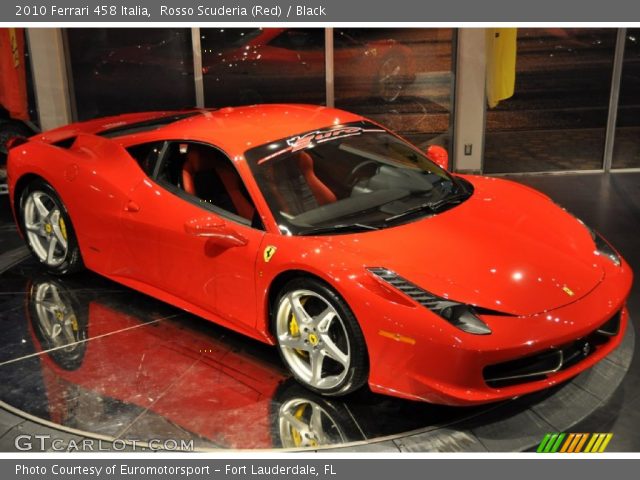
(603, 248)
(459, 315)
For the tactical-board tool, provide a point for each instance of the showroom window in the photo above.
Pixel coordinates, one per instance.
(556, 119)
(119, 70)
(626, 150)
(263, 65)
(401, 78)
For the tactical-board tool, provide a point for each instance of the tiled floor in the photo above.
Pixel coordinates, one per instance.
(557, 150)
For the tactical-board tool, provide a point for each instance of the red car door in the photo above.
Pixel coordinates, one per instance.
(187, 247)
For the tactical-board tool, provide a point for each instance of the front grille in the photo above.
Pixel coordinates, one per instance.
(541, 365)
(529, 368)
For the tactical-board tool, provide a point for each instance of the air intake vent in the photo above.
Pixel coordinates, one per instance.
(612, 326)
(421, 296)
(538, 366)
(65, 143)
(530, 368)
(458, 314)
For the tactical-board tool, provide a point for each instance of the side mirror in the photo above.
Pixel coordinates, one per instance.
(438, 155)
(216, 230)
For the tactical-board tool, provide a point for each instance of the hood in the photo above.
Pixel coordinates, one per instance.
(508, 248)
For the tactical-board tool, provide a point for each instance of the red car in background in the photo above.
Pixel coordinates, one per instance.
(321, 232)
(262, 65)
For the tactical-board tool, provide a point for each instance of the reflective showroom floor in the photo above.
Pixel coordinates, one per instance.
(89, 358)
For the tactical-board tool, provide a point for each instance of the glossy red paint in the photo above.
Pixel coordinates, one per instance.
(507, 248)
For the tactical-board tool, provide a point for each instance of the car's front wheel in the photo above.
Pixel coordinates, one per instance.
(319, 338)
(392, 80)
(48, 229)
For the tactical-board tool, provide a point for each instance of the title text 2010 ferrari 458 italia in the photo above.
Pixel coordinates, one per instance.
(321, 232)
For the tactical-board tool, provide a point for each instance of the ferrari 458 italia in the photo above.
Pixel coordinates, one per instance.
(360, 256)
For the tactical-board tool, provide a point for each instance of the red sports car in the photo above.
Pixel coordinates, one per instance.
(321, 232)
(270, 64)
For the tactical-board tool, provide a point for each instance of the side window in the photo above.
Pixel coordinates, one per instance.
(146, 155)
(205, 175)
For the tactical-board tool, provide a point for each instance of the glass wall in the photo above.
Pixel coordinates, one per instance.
(118, 70)
(626, 149)
(263, 65)
(556, 119)
(401, 78)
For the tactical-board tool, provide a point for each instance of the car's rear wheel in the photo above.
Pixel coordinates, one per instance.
(319, 338)
(48, 229)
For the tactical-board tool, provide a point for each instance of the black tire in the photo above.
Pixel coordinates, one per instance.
(72, 261)
(357, 372)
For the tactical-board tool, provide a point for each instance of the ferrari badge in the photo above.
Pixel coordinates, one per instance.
(269, 252)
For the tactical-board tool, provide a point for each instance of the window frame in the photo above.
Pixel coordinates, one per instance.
(192, 199)
(162, 144)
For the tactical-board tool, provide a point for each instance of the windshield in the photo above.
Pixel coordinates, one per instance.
(349, 177)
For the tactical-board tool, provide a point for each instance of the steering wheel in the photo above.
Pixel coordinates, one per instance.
(357, 172)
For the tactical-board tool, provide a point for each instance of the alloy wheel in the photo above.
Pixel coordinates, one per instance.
(45, 228)
(313, 339)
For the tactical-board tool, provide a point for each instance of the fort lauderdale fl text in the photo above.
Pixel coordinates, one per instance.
(256, 10)
(185, 471)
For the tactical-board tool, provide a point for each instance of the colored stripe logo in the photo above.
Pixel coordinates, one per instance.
(574, 442)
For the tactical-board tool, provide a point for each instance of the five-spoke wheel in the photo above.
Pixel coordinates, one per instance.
(303, 423)
(56, 316)
(319, 338)
(47, 228)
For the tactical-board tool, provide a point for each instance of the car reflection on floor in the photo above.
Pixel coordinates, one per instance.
(112, 362)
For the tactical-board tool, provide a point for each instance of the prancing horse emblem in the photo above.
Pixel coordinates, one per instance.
(269, 252)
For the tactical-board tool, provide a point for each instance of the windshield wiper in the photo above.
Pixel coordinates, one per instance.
(433, 207)
(450, 200)
(411, 211)
(340, 228)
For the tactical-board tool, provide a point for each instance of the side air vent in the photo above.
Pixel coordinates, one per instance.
(457, 314)
(65, 143)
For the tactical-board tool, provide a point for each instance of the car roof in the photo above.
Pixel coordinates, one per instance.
(241, 128)
(234, 129)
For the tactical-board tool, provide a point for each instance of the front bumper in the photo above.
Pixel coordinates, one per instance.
(431, 361)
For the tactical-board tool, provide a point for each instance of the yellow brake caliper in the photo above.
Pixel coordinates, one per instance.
(294, 330)
(295, 434)
(63, 228)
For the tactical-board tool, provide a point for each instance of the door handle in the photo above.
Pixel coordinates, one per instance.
(132, 207)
